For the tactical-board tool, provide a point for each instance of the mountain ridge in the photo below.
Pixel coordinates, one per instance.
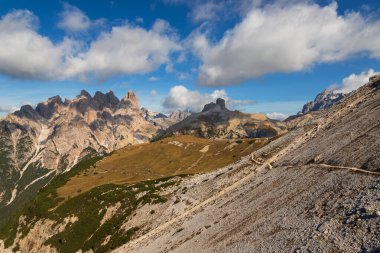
(323, 101)
(217, 121)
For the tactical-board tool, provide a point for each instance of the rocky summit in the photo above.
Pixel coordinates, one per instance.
(323, 101)
(217, 121)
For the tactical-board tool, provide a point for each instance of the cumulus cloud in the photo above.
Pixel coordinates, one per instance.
(182, 76)
(181, 98)
(124, 50)
(277, 116)
(26, 54)
(284, 38)
(206, 11)
(73, 19)
(353, 81)
(213, 11)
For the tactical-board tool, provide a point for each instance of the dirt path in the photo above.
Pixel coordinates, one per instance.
(350, 168)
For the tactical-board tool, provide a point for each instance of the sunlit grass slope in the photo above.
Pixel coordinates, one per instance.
(168, 157)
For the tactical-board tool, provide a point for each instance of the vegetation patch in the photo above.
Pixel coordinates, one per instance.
(46, 199)
(87, 232)
(157, 160)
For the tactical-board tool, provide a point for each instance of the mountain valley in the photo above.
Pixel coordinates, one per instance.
(184, 193)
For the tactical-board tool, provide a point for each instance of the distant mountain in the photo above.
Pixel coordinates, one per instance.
(178, 116)
(323, 101)
(38, 143)
(161, 120)
(216, 121)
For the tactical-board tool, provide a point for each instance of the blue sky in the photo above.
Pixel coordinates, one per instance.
(262, 56)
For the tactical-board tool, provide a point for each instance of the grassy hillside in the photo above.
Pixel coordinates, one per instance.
(168, 157)
(73, 206)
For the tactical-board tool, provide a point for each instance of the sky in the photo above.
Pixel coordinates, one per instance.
(261, 56)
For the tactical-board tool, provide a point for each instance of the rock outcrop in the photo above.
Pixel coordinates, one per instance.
(47, 109)
(323, 101)
(216, 121)
(157, 119)
(132, 99)
(178, 116)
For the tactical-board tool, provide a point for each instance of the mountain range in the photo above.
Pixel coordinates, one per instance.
(42, 142)
(99, 174)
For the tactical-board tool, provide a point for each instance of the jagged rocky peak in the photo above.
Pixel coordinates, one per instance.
(106, 100)
(179, 115)
(221, 102)
(131, 97)
(148, 114)
(27, 111)
(375, 81)
(112, 99)
(323, 101)
(220, 105)
(48, 108)
(84, 93)
(100, 97)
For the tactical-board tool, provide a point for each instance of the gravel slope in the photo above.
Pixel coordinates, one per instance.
(300, 193)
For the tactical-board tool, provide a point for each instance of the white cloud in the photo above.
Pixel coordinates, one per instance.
(181, 98)
(169, 68)
(26, 54)
(277, 115)
(7, 109)
(124, 50)
(284, 38)
(353, 81)
(182, 76)
(139, 20)
(73, 19)
(213, 11)
(163, 26)
(206, 11)
(154, 78)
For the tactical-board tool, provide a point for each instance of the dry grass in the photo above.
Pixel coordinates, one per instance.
(168, 157)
